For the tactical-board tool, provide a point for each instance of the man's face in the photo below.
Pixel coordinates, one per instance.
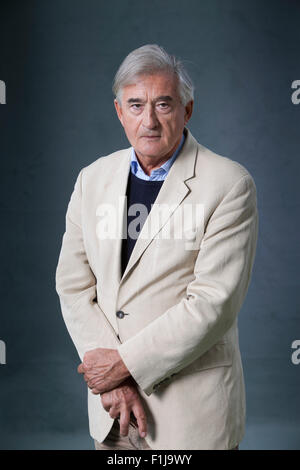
(152, 114)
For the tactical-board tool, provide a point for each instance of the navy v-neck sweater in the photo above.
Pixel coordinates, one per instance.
(138, 192)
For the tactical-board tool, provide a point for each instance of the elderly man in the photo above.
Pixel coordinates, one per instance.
(154, 267)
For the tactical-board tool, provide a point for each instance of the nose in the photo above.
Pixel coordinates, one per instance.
(150, 120)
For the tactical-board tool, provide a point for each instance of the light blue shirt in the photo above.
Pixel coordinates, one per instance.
(159, 174)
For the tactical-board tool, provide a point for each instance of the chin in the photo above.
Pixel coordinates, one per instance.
(151, 150)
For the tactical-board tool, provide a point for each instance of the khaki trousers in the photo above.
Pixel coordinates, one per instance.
(133, 441)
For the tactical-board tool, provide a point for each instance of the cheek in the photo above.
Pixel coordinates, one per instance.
(168, 125)
(171, 127)
(179, 120)
(131, 128)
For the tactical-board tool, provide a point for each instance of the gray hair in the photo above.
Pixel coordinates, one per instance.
(147, 60)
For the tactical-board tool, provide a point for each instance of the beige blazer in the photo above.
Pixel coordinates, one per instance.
(181, 296)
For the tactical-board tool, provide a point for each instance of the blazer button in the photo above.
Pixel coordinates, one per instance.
(120, 314)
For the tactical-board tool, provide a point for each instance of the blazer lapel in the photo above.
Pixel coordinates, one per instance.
(115, 194)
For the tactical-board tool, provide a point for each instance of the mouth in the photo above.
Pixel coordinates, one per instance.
(151, 137)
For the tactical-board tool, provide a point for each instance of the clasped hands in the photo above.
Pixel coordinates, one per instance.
(106, 374)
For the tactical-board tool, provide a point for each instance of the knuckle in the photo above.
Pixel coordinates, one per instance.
(106, 405)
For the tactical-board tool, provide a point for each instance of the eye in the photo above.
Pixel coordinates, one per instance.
(163, 105)
(136, 106)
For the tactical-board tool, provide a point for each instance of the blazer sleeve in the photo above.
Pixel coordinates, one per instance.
(213, 298)
(87, 325)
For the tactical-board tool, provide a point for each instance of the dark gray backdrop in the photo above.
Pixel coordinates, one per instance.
(58, 59)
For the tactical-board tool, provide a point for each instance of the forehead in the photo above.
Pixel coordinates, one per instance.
(152, 86)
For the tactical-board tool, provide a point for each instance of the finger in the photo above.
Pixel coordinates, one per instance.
(95, 391)
(114, 412)
(141, 418)
(88, 363)
(124, 421)
(93, 387)
(80, 369)
(92, 381)
(106, 401)
(94, 384)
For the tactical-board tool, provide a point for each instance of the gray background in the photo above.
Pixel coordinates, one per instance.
(58, 59)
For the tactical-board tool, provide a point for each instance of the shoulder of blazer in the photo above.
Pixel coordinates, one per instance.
(108, 164)
(219, 170)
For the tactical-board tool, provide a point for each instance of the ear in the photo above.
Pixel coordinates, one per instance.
(188, 111)
(119, 110)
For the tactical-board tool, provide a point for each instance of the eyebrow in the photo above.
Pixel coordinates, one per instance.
(160, 98)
